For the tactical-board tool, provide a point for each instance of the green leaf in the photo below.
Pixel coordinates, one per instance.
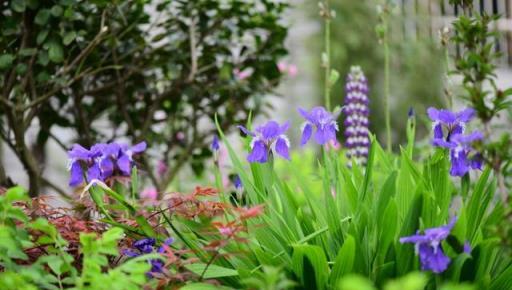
(28, 51)
(6, 61)
(333, 77)
(42, 17)
(202, 286)
(16, 193)
(18, 5)
(55, 52)
(354, 282)
(69, 37)
(412, 281)
(310, 265)
(57, 10)
(344, 261)
(212, 272)
(41, 36)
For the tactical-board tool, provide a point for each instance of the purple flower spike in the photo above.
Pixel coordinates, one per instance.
(322, 121)
(428, 247)
(269, 137)
(356, 112)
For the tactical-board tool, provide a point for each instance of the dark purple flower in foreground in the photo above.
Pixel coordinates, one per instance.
(428, 247)
(357, 140)
(101, 161)
(147, 246)
(447, 123)
(267, 138)
(322, 121)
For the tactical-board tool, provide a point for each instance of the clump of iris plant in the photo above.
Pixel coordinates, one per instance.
(449, 128)
(357, 140)
(148, 246)
(101, 161)
(428, 247)
(322, 122)
(267, 139)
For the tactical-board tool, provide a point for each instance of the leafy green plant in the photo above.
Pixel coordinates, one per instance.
(56, 268)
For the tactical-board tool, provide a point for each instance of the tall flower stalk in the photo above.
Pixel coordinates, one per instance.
(330, 75)
(356, 110)
(383, 35)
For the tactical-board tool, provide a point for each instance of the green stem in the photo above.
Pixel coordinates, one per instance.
(386, 87)
(328, 56)
(447, 89)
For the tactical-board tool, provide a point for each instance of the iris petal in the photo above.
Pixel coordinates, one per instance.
(282, 148)
(77, 176)
(307, 130)
(258, 152)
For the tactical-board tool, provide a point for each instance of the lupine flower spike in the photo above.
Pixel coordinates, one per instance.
(322, 122)
(428, 247)
(268, 138)
(449, 128)
(356, 111)
(102, 161)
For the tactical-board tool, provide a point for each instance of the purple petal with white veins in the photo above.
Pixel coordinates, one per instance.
(433, 114)
(438, 131)
(258, 152)
(125, 164)
(77, 176)
(78, 152)
(94, 172)
(307, 130)
(107, 167)
(446, 116)
(282, 148)
(323, 135)
(139, 147)
(466, 115)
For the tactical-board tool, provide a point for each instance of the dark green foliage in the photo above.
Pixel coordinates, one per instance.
(142, 70)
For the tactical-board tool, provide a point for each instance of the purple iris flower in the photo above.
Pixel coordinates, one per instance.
(147, 246)
(323, 121)
(447, 123)
(462, 156)
(101, 161)
(267, 138)
(428, 247)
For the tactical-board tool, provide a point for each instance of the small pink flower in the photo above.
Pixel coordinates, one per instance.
(244, 74)
(149, 193)
(332, 145)
(282, 66)
(180, 136)
(161, 168)
(226, 231)
(292, 70)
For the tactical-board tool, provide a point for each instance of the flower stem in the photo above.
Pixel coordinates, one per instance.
(327, 42)
(386, 86)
